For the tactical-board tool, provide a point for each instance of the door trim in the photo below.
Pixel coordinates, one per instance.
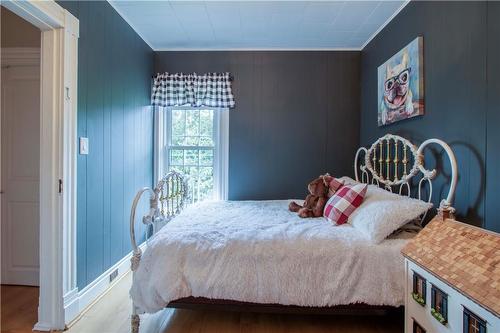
(58, 106)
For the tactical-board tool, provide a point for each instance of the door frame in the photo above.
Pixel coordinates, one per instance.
(58, 149)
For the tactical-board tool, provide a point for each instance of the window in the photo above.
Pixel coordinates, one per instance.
(417, 328)
(419, 289)
(439, 305)
(195, 143)
(472, 323)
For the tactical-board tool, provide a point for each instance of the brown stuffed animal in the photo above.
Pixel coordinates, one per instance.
(320, 190)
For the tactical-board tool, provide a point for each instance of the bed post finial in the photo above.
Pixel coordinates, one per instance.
(445, 210)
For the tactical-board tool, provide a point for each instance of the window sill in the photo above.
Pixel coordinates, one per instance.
(418, 299)
(438, 316)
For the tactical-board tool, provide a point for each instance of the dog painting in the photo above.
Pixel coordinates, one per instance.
(401, 85)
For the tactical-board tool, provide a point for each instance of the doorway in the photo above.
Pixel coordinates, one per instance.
(58, 36)
(20, 150)
(19, 171)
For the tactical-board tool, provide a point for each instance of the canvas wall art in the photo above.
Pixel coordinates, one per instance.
(401, 85)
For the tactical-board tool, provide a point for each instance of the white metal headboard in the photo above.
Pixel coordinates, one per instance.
(392, 161)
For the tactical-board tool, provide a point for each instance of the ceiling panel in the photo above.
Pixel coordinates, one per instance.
(210, 25)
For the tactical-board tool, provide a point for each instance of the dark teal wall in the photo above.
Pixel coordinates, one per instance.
(493, 118)
(460, 64)
(296, 116)
(114, 78)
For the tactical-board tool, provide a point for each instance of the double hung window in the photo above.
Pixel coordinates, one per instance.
(195, 143)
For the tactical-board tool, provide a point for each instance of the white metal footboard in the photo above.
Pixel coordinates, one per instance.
(166, 200)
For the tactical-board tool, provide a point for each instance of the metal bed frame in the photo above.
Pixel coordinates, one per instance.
(391, 162)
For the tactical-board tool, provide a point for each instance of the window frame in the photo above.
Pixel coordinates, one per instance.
(467, 315)
(162, 122)
(417, 277)
(416, 325)
(444, 308)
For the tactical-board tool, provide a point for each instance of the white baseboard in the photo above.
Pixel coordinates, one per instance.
(71, 305)
(43, 327)
(77, 302)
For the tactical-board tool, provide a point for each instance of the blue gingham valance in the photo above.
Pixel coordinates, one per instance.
(179, 89)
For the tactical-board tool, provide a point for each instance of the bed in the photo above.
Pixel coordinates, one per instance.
(258, 256)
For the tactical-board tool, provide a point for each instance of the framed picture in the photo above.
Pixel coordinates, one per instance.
(401, 85)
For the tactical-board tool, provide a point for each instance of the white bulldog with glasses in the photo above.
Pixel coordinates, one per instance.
(398, 98)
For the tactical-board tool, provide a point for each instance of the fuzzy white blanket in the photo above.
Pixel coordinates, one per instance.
(258, 251)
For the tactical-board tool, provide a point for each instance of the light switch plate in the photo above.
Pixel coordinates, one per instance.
(84, 146)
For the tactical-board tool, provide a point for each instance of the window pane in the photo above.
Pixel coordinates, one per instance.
(206, 123)
(192, 122)
(177, 123)
(197, 165)
(206, 182)
(206, 157)
(192, 141)
(189, 130)
(206, 141)
(191, 157)
(178, 127)
(176, 157)
(192, 128)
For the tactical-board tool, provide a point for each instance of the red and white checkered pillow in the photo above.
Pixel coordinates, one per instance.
(333, 186)
(343, 203)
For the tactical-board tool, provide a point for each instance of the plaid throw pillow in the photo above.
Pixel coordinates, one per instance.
(333, 186)
(343, 203)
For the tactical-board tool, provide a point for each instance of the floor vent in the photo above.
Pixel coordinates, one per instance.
(113, 275)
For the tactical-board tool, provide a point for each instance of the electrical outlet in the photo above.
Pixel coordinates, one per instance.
(113, 275)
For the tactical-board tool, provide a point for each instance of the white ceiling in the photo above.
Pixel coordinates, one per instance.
(257, 25)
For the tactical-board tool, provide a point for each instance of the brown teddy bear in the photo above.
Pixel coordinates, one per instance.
(320, 190)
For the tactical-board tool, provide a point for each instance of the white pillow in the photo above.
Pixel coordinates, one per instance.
(383, 212)
(347, 180)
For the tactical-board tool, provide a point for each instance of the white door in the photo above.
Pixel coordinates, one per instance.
(20, 165)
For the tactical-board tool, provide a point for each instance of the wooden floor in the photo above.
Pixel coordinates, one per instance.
(18, 309)
(111, 315)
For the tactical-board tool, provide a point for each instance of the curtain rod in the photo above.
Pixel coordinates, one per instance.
(231, 78)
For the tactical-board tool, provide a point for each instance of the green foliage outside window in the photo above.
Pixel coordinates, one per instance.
(192, 149)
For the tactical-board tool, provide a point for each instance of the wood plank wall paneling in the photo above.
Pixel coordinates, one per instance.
(114, 80)
(456, 43)
(493, 123)
(296, 116)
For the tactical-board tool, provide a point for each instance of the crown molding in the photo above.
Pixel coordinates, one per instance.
(259, 49)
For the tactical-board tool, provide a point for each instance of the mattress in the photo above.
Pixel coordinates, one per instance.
(258, 251)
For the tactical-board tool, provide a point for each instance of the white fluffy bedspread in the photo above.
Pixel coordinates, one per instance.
(258, 251)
